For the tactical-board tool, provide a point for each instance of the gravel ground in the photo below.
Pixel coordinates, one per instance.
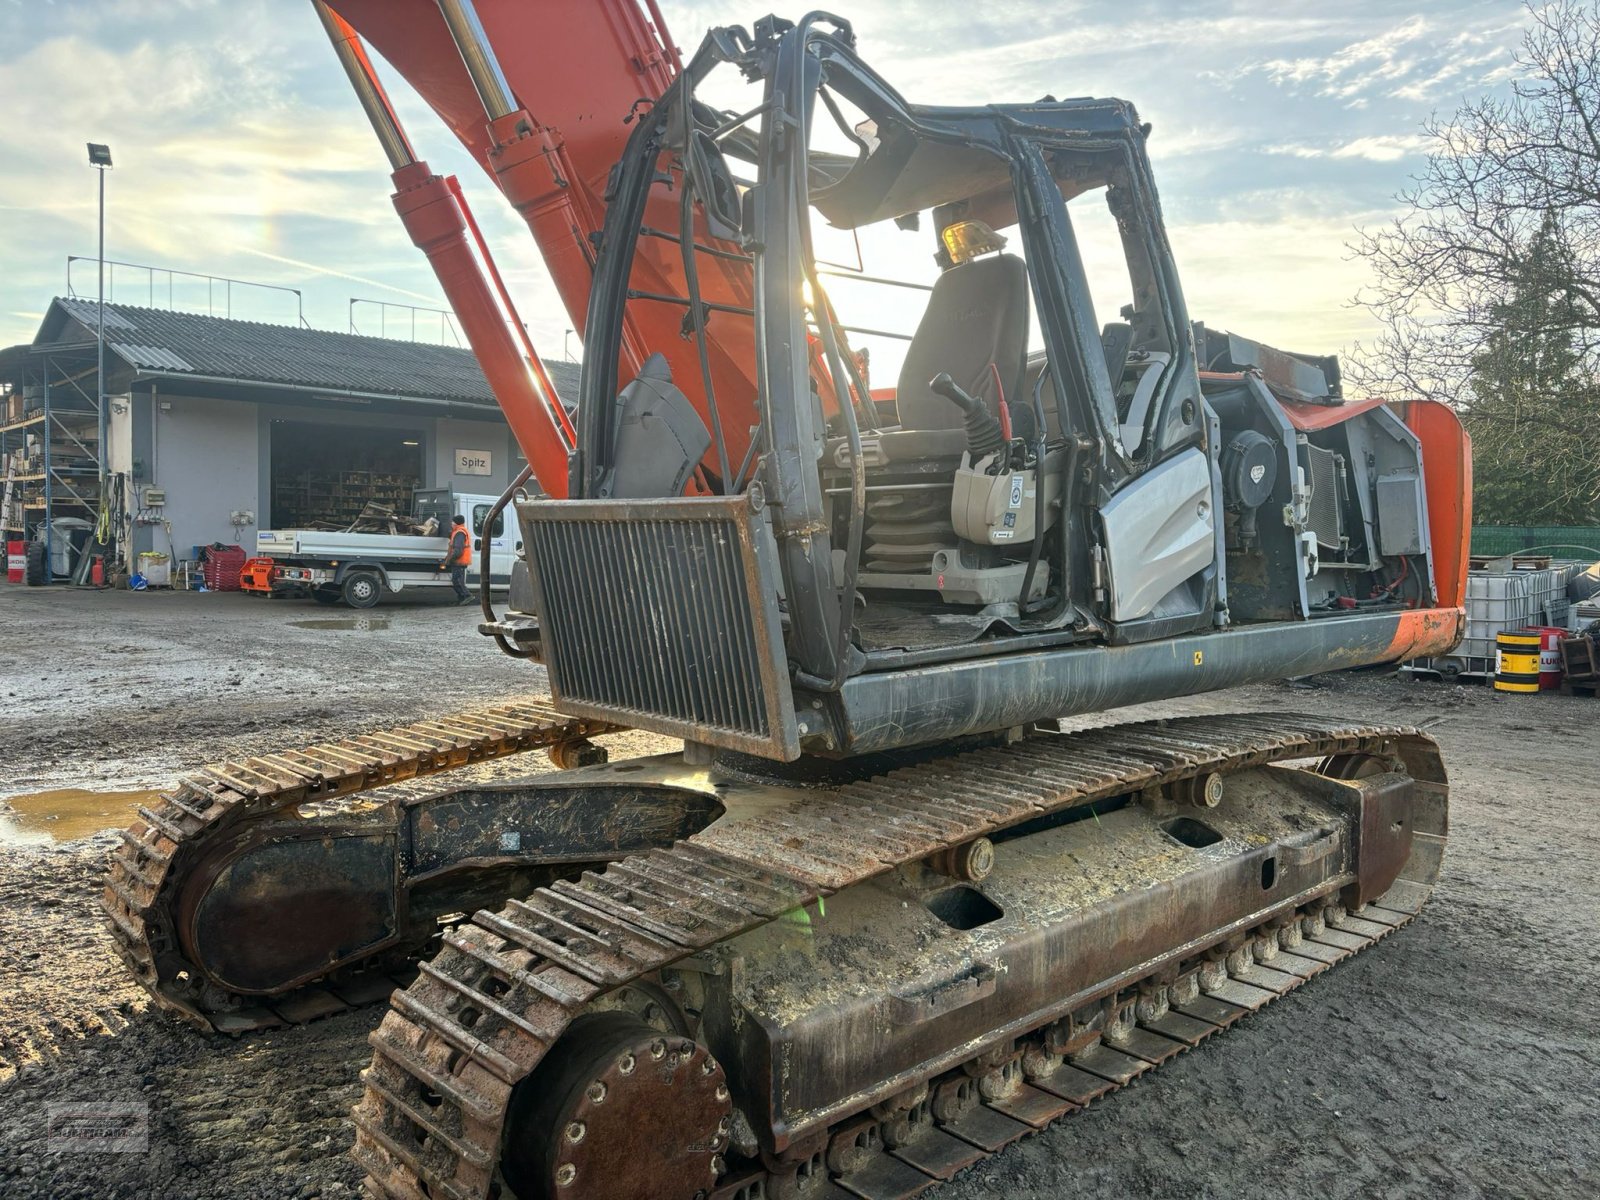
(1460, 1058)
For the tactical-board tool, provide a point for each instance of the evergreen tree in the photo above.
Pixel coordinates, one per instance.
(1531, 406)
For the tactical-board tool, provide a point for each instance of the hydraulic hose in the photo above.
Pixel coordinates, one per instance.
(483, 569)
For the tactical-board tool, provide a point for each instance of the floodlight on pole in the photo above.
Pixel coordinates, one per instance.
(100, 159)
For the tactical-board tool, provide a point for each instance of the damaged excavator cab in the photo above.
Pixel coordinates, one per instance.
(1107, 934)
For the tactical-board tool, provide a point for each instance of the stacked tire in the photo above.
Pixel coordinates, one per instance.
(36, 572)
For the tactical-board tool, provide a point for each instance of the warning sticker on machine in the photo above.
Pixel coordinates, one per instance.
(1016, 491)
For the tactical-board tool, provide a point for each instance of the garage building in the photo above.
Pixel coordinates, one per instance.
(221, 426)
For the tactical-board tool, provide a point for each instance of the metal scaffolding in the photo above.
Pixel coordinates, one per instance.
(50, 441)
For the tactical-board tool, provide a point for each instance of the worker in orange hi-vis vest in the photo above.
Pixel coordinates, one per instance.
(459, 559)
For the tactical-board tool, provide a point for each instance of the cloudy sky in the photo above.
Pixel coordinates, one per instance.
(1279, 129)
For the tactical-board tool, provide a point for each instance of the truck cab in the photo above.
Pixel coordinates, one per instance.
(443, 505)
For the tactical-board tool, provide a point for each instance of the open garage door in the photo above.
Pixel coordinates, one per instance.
(328, 473)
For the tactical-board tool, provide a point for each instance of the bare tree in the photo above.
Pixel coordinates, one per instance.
(1508, 205)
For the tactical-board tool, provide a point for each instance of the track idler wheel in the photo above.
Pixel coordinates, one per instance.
(619, 1109)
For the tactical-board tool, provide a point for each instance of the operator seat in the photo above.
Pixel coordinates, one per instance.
(977, 314)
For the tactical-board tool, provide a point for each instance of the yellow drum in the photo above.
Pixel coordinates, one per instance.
(1516, 662)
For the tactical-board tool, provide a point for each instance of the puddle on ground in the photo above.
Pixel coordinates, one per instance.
(40, 818)
(364, 624)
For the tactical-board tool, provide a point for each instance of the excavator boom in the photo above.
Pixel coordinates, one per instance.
(542, 94)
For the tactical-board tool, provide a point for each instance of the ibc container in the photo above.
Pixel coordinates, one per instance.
(1496, 601)
(1548, 594)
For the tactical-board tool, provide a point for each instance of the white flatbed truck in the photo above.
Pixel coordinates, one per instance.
(359, 569)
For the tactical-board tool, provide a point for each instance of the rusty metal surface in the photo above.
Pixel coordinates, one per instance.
(493, 1004)
(1065, 912)
(629, 1110)
(287, 900)
(664, 614)
(219, 804)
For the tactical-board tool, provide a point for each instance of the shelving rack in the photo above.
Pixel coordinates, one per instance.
(337, 497)
(50, 442)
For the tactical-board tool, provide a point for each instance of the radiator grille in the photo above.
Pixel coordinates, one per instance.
(1327, 514)
(658, 614)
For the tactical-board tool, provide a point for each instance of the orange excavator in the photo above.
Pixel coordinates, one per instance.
(882, 915)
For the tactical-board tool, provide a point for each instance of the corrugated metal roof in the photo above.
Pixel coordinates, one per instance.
(150, 356)
(252, 352)
(113, 320)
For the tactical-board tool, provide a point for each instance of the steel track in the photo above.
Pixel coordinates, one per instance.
(486, 1010)
(149, 870)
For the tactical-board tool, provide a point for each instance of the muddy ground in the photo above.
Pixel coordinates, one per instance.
(1459, 1059)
